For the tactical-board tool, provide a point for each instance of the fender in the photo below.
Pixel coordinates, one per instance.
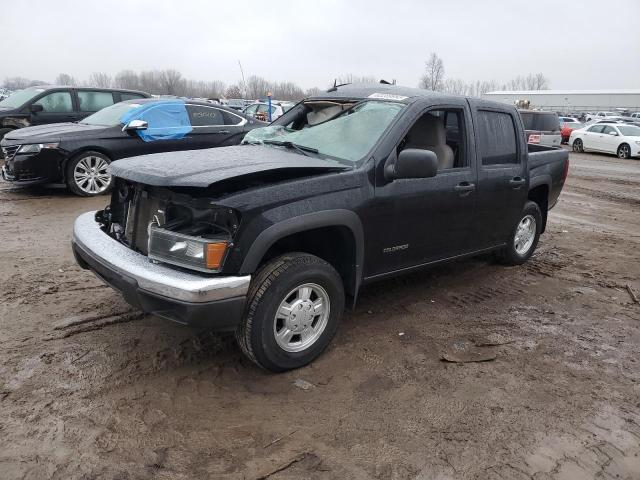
(309, 221)
(540, 180)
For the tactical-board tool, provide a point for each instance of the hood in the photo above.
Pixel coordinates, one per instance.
(202, 168)
(51, 132)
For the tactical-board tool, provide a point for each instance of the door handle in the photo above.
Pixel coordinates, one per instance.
(464, 188)
(517, 182)
(223, 131)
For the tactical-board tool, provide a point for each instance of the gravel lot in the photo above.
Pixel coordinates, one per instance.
(91, 389)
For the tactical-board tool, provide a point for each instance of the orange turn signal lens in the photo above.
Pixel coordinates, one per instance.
(215, 254)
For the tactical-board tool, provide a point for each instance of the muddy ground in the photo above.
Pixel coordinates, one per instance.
(125, 396)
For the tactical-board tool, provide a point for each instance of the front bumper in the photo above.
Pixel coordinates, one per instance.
(188, 298)
(34, 169)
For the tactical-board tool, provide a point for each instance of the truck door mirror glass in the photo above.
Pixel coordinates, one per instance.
(135, 125)
(35, 108)
(413, 163)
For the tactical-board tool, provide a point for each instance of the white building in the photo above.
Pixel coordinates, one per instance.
(572, 100)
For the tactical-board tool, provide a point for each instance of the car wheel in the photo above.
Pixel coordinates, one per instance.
(87, 174)
(624, 151)
(524, 239)
(577, 146)
(293, 309)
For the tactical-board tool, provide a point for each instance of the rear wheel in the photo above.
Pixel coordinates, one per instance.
(577, 146)
(524, 239)
(293, 309)
(624, 151)
(87, 174)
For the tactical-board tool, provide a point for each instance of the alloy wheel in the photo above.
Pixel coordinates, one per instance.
(525, 235)
(91, 176)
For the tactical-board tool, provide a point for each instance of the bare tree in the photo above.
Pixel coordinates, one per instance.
(99, 79)
(127, 79)
(233, 91)
(16, 83)
(312, 92)
(257, 87)
(65, 79)
(172, 82)
(352, 78)
(434, 73)
(150, 82)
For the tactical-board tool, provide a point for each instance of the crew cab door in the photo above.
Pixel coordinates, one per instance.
(503, 177)
(423, 220)
(591, 137)
(56, 107)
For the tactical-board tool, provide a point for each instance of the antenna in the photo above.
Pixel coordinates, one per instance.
(244, 85)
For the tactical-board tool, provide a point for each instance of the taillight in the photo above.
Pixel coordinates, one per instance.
(565, 172)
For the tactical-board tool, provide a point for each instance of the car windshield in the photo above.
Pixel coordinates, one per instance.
(18, 99)
(346, 138)
(629, 130)
(110, 116)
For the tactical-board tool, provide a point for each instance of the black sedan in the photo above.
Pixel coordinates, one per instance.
(78, 154)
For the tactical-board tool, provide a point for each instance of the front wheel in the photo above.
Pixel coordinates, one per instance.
(293, 309)
(87, 174)
(577, 146)
(524, 239)
(624, 151)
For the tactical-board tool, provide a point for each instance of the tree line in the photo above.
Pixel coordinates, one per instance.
(171, 82)
(434, 79)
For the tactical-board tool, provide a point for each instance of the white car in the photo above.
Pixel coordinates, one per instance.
(618, 138)
(635, 115)
(601, 115)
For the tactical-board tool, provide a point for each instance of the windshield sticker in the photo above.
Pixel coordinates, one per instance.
(387, 96)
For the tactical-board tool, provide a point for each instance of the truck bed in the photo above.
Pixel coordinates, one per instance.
(548, 166)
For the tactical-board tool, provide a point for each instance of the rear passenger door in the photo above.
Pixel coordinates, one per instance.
(502, 174)
(90, 101)
(213, 127)
(591, 138)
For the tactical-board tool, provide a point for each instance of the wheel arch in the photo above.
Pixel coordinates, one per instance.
(75, 153)
(315, 233)
(539, 193)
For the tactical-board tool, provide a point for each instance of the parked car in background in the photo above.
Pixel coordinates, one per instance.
(50, 104)
(345, 189)
(567, 125)
(541, 128)
(260, 111)
(601, 115)
(620, 139)
(235, 103)
(78, 154)
(635, 115)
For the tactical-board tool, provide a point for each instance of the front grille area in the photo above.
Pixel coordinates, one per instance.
(140, 212)
(10, 152)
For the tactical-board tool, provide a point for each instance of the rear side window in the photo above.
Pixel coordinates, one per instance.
(94, 101)
(596, 129)
(497, 138)
(130, 96)
(541, 121)
(57, 102)
(205, 116)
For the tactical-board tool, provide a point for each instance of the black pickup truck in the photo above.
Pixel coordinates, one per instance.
(272, 238)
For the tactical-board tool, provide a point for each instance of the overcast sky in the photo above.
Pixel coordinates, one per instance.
(577, 44)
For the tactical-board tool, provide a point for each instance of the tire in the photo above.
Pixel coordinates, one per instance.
(279, 286)
(577, 146)
(524, 238)
(624, 151)
(84, 182)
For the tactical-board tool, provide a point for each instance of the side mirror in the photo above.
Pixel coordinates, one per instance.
(614, 134)
(413, 163)
(35, 108)
(134, 125)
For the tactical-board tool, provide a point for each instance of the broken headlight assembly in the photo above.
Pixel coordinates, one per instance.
(199, 245)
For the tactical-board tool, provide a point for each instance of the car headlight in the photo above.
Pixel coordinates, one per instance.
(36, 147)
(198, 253)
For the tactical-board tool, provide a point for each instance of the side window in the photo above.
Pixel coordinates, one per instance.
(441, 131)
(608, 129)
(497, 138)
(130, 96)
(251, 110)
(57, 102)
(595, 129)
(94, 101)
(205, 116)
(230, 118)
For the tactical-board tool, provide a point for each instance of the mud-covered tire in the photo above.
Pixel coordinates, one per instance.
(88, 159)
(577, 146)
(516, 252)
(270, 289)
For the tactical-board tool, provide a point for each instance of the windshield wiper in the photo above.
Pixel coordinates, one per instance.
(293, 146)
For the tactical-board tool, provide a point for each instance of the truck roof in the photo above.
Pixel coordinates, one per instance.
(359, 91)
